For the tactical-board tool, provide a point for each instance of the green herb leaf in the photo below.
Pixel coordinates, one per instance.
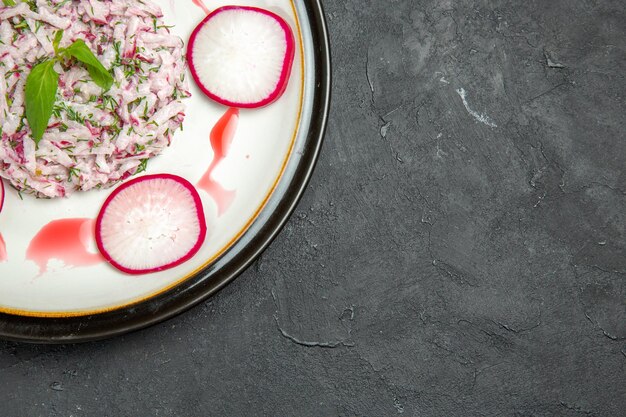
(9, 3)
(57, 40)
(43, 82)
(98, 73)
(41, 90)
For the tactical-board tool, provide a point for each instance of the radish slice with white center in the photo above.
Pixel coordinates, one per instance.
(150, 224)
(242, 56)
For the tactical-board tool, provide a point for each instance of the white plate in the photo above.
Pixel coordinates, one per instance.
(265, 171)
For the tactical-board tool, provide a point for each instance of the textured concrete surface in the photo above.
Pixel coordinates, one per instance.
(461, 250)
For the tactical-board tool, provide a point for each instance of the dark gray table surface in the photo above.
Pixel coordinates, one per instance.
(461, 249)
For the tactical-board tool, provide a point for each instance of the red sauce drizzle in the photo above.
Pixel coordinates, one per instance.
(66, 240)
(221, 138)
(3, 250)
(201, 5)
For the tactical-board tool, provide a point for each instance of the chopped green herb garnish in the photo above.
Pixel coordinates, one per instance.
(142, 166)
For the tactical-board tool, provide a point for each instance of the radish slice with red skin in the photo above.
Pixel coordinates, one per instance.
(150, 224)
(242, 56)
(1, 194)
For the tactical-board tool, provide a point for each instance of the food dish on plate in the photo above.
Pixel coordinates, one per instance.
(94, 89)
(249, 168)
(95, 138)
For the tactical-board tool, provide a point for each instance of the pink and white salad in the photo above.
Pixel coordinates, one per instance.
(94, 138)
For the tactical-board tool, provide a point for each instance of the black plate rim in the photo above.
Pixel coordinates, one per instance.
(208, 281)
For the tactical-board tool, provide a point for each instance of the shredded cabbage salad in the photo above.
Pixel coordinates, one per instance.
(94, 138)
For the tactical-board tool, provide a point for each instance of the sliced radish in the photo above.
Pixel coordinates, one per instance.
(150, 224)
(242, 56)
